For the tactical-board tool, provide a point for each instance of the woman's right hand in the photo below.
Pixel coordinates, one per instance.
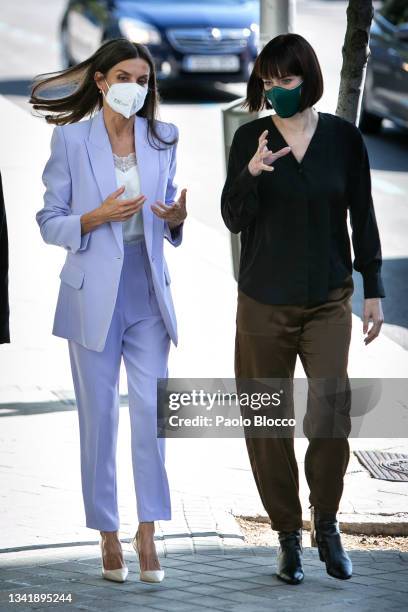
(114, 209)
(264, 157)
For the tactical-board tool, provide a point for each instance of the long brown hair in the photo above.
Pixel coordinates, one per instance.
(79, 95)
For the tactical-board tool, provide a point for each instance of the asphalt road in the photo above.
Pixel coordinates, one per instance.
(29, 46)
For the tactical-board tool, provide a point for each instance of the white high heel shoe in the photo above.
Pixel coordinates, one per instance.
(147, 575)
(117, 575)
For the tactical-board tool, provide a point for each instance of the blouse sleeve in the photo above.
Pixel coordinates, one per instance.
(365, 235)
(239, 198)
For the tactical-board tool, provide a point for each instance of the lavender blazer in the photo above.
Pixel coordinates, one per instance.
(78, 176)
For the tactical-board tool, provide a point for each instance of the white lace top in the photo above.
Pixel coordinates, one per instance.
(127, 174)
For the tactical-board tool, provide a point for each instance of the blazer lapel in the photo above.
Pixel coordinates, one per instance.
(101, 158)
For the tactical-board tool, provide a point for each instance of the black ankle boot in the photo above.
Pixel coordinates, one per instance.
(331, 551)
(290, 557)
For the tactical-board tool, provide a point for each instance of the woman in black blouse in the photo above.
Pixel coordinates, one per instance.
(292, 178)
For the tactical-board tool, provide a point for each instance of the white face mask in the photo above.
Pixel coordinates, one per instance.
(126, 98)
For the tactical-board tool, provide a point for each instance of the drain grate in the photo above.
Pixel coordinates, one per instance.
(384, 466)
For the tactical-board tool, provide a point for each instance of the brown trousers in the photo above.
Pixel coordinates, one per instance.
(268, 339)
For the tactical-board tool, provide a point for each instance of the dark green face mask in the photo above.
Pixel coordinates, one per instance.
(286, 102)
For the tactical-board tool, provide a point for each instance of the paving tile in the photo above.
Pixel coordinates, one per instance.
(205, 572)
(209, 601)
(376, 580)
(369, 570)
(384, 556)
(240, 585)
(177, 606)
(209, 589)
(399, 583)
(392, 566)
(171, 561)
(246, 597)
(241, 564)
(203, 568)
(234, 574)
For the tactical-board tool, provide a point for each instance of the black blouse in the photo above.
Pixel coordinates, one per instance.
(295, 244)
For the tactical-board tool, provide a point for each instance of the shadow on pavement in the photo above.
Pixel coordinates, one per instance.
(233, 578)
(8, 409)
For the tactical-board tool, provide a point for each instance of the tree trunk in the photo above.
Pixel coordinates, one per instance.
(355, 53)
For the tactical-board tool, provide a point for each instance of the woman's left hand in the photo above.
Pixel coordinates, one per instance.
(372, 312)
(174, 213)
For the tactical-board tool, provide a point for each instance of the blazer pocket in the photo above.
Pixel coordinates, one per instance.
(72, 275)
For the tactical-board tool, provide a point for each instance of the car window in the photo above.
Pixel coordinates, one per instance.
(396, 11)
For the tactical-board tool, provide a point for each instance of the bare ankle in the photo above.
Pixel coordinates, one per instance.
(109, 535)
(146, 527)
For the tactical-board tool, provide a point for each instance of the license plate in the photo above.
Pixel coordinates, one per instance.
(211, 63)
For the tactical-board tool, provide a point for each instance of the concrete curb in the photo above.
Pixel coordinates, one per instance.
(368, 525)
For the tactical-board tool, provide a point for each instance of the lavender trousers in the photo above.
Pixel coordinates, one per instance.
(138, 333)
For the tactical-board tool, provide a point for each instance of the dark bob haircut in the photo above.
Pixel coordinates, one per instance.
(286, 54)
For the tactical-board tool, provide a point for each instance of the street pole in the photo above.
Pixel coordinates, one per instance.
(276, 17)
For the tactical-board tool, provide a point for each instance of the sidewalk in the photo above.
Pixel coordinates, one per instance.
(223, 575)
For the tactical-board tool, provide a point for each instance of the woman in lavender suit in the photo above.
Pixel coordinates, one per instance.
(110, 201)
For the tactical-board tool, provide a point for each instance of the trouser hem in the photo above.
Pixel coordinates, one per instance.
(326, 509)
(165, 516)
(286, 527)
(101, 528)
